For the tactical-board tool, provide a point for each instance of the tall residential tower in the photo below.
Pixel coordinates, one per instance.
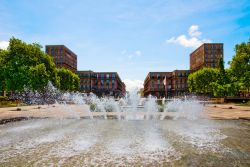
(63, 57)
(207, 55)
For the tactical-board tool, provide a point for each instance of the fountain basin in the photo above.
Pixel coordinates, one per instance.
(86, 142)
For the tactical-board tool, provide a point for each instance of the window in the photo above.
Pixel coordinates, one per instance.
(60, 59)
(107, 83)
(113, 83)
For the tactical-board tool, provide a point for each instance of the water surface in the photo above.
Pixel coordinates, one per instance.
(85, 142)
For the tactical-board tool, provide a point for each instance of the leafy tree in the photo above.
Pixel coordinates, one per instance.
(38, 77)
(223, 78)
(76, 82)
(22, 60)
(240, 65)
(200, 81)
(69, 81)
(3, 54)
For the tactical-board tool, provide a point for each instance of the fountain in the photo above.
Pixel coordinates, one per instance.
(123, 132)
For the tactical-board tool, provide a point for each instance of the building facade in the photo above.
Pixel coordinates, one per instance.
(63, 57)
(207, 55)
(101, 83)
(179, 86)
(87, 81)
(154, 84)
(166, 84)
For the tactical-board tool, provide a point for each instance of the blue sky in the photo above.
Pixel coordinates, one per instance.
(131, 37)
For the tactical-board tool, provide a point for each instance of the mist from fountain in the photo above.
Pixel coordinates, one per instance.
(190, 109)
(151, 107)
(153, 137)
(131, 107)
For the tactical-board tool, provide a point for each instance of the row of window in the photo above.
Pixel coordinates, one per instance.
(211, 60)
(107, 86)
(213, 46)
(107, 82)
(214, 65)
(178, 86)
(87, 87)
(102, 76)
(211, 56)
(69, 63)
(184, 74)
(177, 81)
(84, 75)
(105, 76)
(179, 74)
(213, 51)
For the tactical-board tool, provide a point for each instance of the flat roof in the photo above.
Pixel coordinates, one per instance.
(205, 44)
(60, 46)
(85, 71)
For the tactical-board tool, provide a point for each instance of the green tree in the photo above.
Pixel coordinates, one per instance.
(200, 81)
(223, 78)
(38, 77)
(21, 60)
(3, 55)
(69, 81)
(76, 82)
(240, 66)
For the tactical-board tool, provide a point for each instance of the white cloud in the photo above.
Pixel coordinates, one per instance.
(193, 31)
(4, 44)
(193, 41)
(138, 53)
(133, 85)
(131, 55)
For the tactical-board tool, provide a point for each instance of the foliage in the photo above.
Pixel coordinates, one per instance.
(69, 81)
(3, 98)
(200, 81)
(240, 65)
(23, 63)
(38, 77)
(26, 65)
(3, 55)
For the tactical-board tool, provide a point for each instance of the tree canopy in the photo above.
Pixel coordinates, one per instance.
(68, 80)
(25, 64)
(240, 65)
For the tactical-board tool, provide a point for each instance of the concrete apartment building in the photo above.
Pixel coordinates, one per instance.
(101, 83)
(166, 84)
(63, 57)
(207, 55)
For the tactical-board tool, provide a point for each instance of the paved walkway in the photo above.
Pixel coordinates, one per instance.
(213, 111)
(227, 111)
